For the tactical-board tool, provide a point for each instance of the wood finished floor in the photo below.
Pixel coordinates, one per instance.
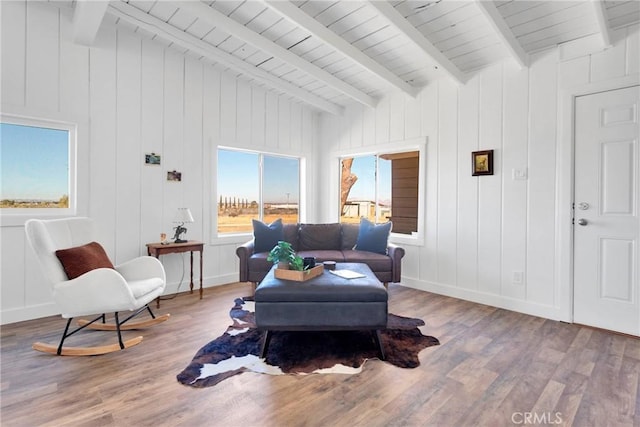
(492, 368)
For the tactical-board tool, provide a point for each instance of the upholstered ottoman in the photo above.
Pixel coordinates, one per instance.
(325, 303)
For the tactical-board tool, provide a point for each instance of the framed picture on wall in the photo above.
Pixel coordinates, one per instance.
(174, 176)
(482, 162)
(152, 159)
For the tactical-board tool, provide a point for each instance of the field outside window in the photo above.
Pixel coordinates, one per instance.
(36, 166)
(258, 186)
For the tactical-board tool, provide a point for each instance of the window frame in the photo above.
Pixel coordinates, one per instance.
(415, 144)
(18, 216)
(241, 237)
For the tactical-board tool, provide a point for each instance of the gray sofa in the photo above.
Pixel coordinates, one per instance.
(325, 242)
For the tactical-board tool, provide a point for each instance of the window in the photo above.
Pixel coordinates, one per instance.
(381, 187)
(37, 172)
(256, 186)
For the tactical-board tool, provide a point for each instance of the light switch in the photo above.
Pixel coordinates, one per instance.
(519, 174)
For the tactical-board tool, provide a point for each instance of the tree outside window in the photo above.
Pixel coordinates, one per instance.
(381, 188)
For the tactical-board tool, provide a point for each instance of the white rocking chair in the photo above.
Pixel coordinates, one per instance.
(130, 286)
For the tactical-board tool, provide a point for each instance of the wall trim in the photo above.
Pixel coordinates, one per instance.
(512, 304)
(207, 282)
(21, 314)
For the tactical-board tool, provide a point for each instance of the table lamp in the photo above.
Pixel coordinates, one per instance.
(183, 215)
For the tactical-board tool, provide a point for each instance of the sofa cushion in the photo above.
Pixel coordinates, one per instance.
(319, 236)
(291, 234)
(323, 255)
(79, 260)
(266, 236)
(349, 235)
(376, 262)
(372, 237)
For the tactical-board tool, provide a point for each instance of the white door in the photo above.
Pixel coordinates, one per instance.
(606, 222)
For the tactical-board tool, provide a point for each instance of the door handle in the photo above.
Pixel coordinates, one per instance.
(582, 221)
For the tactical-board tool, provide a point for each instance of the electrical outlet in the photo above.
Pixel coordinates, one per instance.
(518, 277)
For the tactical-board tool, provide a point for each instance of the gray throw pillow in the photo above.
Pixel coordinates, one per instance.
(372, 237)
(265, 237)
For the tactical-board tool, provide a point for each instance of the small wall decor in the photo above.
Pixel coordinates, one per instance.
(482, 162)
(152, 159)
(174, 176)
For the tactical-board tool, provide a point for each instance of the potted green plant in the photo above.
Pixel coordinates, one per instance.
(297, 263)
(282, 254)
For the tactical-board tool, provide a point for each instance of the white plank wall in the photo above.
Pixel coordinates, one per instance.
(482, 230)
(135, 96)
(541, 191)
(514, 193)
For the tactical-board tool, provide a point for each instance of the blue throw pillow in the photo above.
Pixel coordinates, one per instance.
(372, 237)
(265, 237)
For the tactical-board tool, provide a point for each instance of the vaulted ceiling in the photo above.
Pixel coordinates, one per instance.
(329, 54)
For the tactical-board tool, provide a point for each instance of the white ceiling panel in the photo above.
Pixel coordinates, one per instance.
(278, 29)
(577, 13)
(429, 23)
(225, 6)
(331, 53)
(263, 20)
(248, 11)
(163, 10)
(245, 51)
(622, 13)
(199, 28)
(231, 44)
(478, 58)
(215, 37)
(335, 12)
(558, 38)
(531, 11)
(182, 20)
(319, 52)
(429, 11)
(143, 5)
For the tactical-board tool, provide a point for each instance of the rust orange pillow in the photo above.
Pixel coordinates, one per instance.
(81, 259)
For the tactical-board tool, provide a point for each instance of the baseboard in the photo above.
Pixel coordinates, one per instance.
(207, 282)
(21, 314)
(548, 312)
(507, 303)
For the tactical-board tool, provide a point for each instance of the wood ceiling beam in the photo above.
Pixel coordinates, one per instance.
(298, 17)
(603, 22)
(504, 32)
(87, 17)
(194, 44)
(393, 17)
(221, 21)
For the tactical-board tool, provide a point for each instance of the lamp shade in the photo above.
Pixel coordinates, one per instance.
(183, 215)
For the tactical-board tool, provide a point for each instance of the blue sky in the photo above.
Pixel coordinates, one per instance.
(34, 162)
(238, 177)
(364, 189)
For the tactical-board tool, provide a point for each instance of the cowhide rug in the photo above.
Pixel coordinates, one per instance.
(237, 350)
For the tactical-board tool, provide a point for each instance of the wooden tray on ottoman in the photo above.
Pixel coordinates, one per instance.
(298, 276)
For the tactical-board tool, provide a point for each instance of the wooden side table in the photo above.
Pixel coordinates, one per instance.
(157, 249)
